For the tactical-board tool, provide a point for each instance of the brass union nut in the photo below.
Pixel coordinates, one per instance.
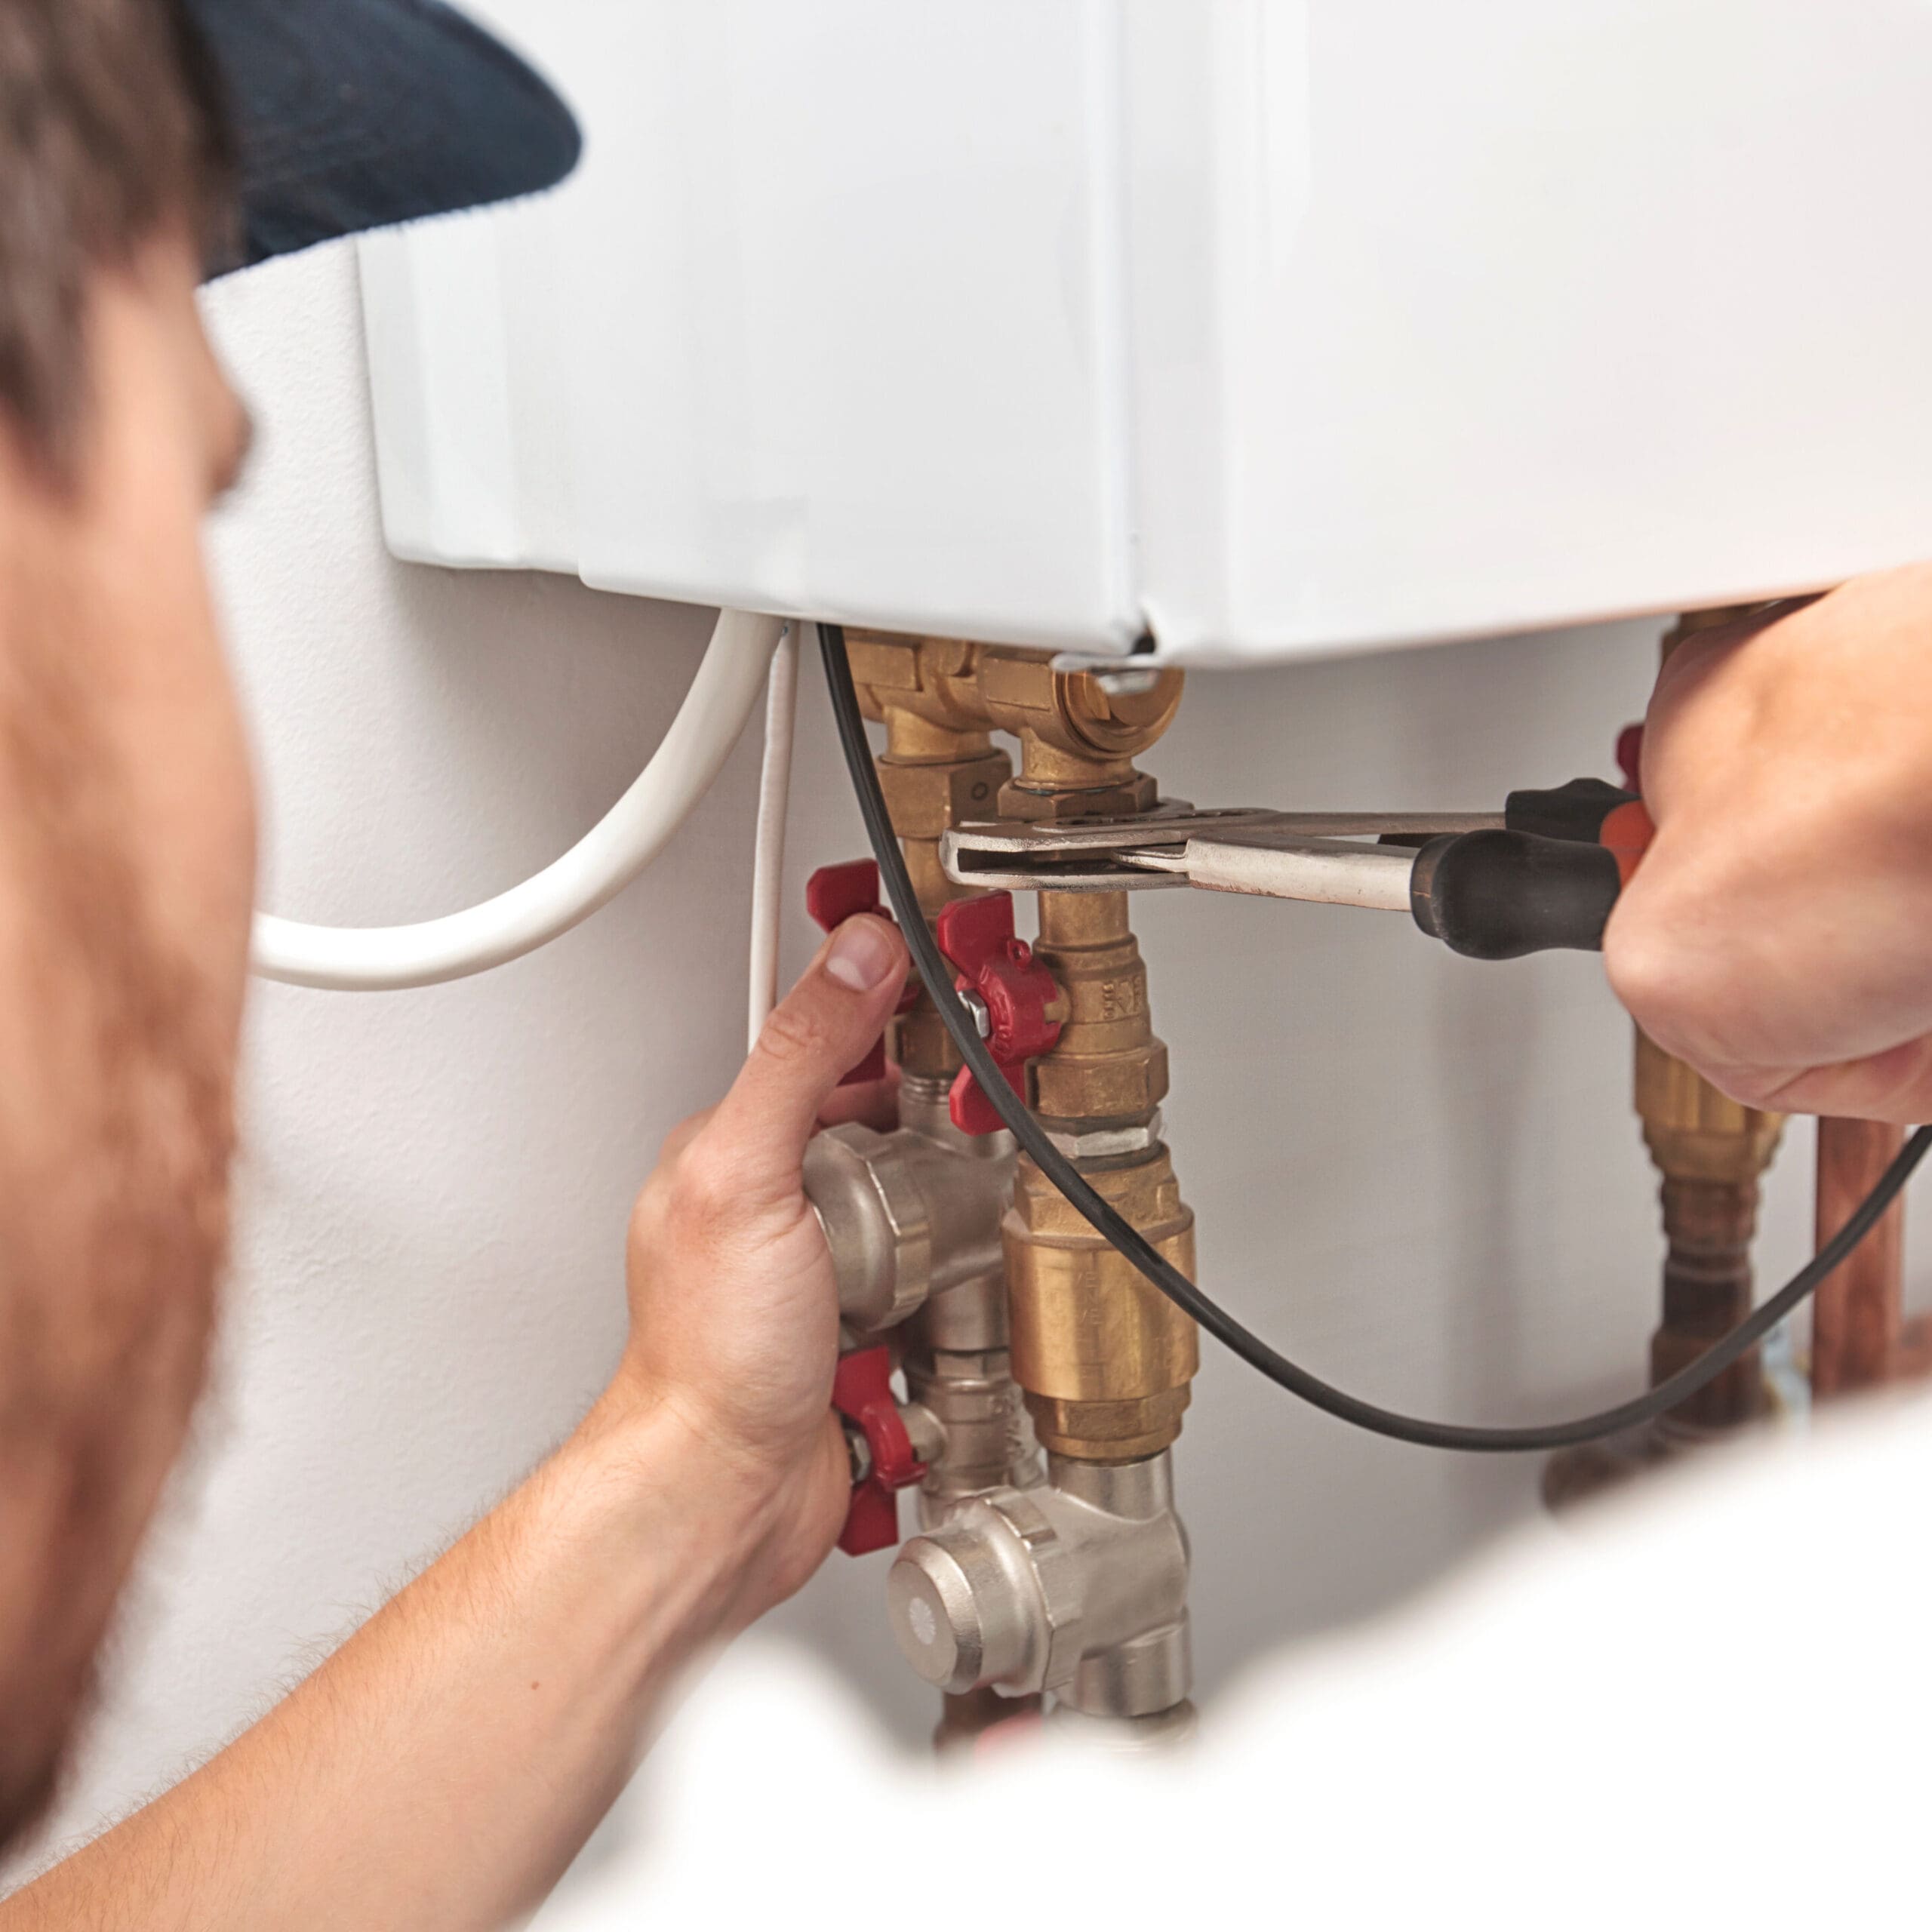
(1111, 1086)
(1123, 795)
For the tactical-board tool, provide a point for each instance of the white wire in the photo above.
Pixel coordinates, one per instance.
(774, 791)
(592, 873)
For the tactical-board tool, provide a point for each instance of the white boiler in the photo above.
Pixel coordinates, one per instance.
(1260, 327)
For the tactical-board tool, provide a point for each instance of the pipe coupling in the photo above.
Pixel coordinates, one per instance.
(986, 1434)
(906, 1216)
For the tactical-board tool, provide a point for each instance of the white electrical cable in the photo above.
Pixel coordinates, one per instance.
(592, 873)
(774, 792)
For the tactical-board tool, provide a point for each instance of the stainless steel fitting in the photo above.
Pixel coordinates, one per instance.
(908, 1215)
(1077, 1587)
(986, 1434)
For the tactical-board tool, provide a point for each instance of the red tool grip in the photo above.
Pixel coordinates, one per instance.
(1626, 834)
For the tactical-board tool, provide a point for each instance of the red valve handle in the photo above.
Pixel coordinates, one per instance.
(862, 1394)
(1630, 757)
(834, 894)
(1019, 995)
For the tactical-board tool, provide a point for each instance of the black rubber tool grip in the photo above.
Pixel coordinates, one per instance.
(1576, 810)
(1498, 895)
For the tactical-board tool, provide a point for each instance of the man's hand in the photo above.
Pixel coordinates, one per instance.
(1778, 935)
(734, 1309)
(441, 1770)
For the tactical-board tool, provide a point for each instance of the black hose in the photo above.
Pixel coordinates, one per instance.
(1172, 1283)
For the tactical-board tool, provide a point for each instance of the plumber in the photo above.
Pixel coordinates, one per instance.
(443, 1767)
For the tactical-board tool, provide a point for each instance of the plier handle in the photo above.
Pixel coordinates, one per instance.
(1541, 875)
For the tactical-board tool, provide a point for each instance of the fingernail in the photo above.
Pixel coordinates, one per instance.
(861, 956)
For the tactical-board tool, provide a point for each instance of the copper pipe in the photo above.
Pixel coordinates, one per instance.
(1857, 1319)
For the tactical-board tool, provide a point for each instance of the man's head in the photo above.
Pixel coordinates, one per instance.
(126, 820)
(142, 143)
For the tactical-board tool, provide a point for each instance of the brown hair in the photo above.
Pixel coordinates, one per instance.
(112, 127)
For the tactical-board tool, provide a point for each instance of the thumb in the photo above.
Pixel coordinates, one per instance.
(822, 1029)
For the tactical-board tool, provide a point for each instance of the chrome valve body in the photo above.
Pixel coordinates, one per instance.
(1076, 1587)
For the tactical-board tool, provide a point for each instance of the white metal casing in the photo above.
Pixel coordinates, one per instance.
(1273, 326)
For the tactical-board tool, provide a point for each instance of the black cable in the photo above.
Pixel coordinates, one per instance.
(1257, 1353)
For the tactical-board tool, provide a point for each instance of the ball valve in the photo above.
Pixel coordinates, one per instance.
(1015, 1002)
(909, 1216)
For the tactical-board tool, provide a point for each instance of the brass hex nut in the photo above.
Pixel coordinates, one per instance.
(1102, 1087)
(919, 1042)
(1121, 1432)
(1125, 796)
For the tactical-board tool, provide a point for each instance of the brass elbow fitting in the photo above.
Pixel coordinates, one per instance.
(1077, 740)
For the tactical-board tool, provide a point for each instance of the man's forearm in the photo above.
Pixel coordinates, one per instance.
(441, 1769)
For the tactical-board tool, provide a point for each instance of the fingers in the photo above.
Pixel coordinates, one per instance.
(817, 1033)
(1894, 1086)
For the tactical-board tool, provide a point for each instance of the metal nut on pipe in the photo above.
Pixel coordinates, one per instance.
(906, 1215)
(986, 1436)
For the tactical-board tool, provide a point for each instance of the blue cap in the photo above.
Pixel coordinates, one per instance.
(350, 115)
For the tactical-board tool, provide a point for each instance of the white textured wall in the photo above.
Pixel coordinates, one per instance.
(1419, 1173)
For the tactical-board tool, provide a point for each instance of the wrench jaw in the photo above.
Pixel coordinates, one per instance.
(1177, 845)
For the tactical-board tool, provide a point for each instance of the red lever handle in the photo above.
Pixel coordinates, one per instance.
(861, 1393)
(834, 894)
(1021, 998)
